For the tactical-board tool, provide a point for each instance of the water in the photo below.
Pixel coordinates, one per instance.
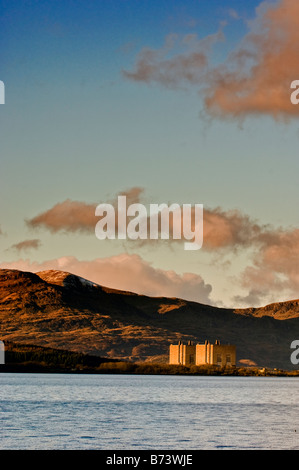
(53, 411)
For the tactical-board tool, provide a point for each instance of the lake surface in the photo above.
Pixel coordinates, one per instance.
(134, 412)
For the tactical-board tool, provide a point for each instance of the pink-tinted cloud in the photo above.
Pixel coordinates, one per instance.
(230, 229)
(254, 79)
(271, 275)
(26, 245)
(272, 252)
(126, 272)
(275, 266)
(221, 229)
(68, 216)
(74, 216)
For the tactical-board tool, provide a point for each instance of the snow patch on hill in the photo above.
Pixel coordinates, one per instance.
(65, 279)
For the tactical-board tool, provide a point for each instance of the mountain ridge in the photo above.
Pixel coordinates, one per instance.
(60, 309)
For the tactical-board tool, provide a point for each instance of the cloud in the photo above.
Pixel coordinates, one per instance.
(68, 216)
(126, 272)
(221, 229)
(254, 79)
(233, 14)
(275, 265)
(230, 229)
(254, 298)
(74, 216)
(26, 245)
(170, 68)
(272, 253)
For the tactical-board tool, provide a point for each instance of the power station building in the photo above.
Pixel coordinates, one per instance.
(223, 355)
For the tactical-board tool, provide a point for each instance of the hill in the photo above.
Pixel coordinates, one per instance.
(57, 309)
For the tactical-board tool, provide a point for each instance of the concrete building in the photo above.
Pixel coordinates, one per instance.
(182, 353)
(200, 354)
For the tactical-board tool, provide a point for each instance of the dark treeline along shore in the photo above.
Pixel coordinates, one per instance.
(26, 358)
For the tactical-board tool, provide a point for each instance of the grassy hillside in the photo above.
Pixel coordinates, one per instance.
(58, 310)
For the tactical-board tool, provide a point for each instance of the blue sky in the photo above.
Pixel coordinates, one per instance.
(74, 127)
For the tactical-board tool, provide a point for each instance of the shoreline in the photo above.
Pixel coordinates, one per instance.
(29, 358)
(124, 368)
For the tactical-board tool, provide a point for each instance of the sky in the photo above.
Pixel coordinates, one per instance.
(173, 101)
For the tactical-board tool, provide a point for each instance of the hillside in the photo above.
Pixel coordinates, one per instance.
(60, 310)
